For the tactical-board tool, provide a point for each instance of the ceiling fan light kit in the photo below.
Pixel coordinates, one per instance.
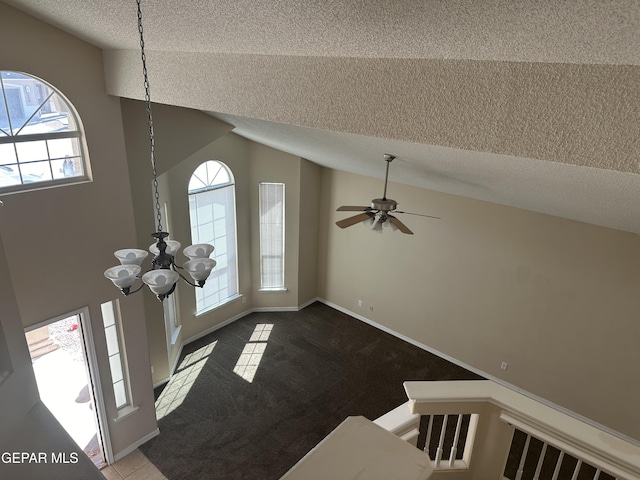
(377, 215)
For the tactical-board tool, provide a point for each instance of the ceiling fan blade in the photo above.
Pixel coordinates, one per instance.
(401, 226)
(418, 214)
(349, 208)
(347, 222)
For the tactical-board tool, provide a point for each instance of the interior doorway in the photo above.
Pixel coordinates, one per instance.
(61, 367)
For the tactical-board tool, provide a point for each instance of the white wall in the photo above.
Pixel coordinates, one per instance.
(556, 299)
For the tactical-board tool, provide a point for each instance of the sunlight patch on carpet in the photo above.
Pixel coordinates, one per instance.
(182, 381)
(251, 355)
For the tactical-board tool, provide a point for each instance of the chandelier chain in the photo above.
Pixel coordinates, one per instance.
(147, 99)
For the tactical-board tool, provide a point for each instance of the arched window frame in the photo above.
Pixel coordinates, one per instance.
(212, 183)
(42, 142)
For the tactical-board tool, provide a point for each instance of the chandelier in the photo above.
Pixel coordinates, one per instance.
(163, 276)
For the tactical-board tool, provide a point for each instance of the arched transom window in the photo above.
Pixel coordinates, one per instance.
(212, 212)
(41, 139)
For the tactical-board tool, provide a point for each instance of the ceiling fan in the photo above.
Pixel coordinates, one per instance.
(376, 215)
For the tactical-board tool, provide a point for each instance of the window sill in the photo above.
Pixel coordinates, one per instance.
(273, 290)
(125, 412)
(226, 301)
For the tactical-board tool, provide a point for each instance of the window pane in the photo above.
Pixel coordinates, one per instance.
(7, 153)
(9, 175)
(111, 333)
(30, 151)
(62, 147)
(120, 393)
(68, 167)
(108, 314)
(116, 368)
(35, 172)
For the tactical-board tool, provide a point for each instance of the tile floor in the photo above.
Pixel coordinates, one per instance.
(134, 466)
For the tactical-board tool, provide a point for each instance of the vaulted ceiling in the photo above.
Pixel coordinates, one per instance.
(529, 104)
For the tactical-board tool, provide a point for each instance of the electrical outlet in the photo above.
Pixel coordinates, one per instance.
(359, 303)
(504, 365)
(371, 308)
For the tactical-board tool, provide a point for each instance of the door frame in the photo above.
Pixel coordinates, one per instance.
(93, 373)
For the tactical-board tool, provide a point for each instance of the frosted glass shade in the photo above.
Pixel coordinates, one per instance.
(161, 280)
(198, 250)
(172, 247)
(122, 276)
(199, 268)
(131, 256)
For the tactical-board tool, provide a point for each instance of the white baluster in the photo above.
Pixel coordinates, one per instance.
(540, 461)
(428, 440)
(556, 472)
(441, 441)
(454, 447)
(596, 476)
(523, 458)
(577, 470)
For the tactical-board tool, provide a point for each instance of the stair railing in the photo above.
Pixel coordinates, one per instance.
(467, 428)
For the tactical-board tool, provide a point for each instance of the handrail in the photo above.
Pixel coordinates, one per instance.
(598, 447)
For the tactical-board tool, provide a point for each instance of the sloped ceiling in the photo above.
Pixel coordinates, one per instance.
(529, 104)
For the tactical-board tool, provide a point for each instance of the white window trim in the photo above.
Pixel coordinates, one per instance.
(218, 305)
(276, 288)
(216, 186)
(77, 134)
(128, 407)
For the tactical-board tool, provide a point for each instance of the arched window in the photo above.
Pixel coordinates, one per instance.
(41, 138)
(212, 212)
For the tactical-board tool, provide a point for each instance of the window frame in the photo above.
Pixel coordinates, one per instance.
(10, 137)
(123, 408)
(281, 286)
(210, 186)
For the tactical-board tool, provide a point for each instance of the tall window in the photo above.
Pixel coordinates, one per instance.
(115, 349)
(272, 236)
(40, 136)
(212, 211)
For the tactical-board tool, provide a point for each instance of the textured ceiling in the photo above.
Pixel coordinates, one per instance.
(577, 31)
(528, 104)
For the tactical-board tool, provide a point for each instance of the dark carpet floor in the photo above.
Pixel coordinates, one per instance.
(316, 367)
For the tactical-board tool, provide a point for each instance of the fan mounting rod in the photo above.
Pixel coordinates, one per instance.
(385, 204)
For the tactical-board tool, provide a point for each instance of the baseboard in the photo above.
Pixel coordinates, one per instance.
(306, 304)
(275, 309)
(135, 445)
(497, 380)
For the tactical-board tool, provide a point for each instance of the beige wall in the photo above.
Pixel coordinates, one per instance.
(310, 175)
(59, 241)
(554, 298)
(18, 392)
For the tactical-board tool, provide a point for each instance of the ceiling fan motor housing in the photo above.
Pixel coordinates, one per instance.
(384, 204)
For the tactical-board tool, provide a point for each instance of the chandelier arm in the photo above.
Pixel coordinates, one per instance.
(199, 284)
(147, 99)
(127, 290)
